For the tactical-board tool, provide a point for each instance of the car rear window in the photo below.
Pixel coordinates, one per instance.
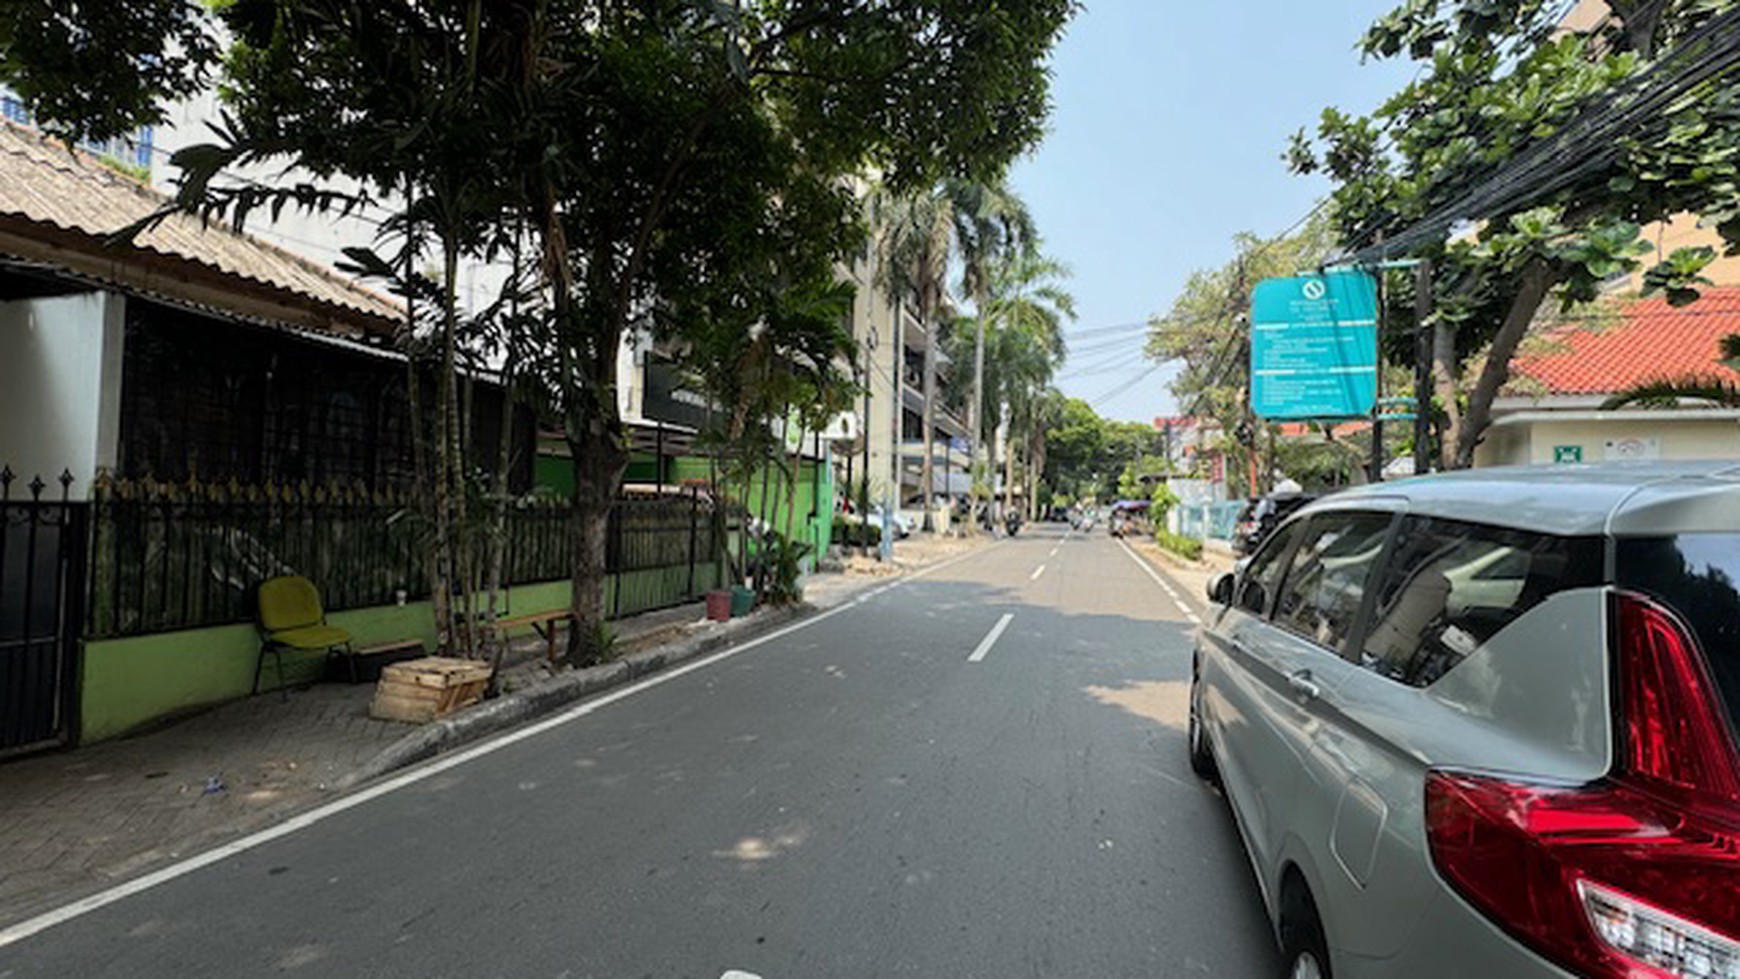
(1451, 586)
(1698, 576)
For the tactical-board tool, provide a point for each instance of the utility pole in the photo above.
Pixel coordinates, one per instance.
(1423, 301)
(1377, 419)
(864, 484)
(975, 422)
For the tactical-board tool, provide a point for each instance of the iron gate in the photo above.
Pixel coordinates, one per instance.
(42, 556)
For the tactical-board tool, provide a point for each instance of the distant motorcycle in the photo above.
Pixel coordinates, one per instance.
(1012, 523)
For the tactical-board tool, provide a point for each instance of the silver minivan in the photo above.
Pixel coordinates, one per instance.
(1484, 724)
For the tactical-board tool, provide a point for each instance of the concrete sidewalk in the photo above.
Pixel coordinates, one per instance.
(79, 821)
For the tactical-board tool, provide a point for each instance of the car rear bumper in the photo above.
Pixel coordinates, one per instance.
(1452, 941)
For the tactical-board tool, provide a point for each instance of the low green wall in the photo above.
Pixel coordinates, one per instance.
(131, 682)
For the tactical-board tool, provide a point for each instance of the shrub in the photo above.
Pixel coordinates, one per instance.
(850, 533)
(1185, 547)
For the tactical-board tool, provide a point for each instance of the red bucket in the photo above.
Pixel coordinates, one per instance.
(719, 605)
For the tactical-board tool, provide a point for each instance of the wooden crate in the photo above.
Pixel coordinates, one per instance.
(421, 690)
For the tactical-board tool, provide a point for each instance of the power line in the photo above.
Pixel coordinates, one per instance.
(1125, 386)
(1635, 111)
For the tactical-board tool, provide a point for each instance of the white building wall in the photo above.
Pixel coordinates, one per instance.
(1683, 435)
(320, 237)
(60, 388)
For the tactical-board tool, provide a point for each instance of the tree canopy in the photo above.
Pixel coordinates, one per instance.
(1523, 158)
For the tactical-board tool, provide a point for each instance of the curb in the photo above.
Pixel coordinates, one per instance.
(511, 710)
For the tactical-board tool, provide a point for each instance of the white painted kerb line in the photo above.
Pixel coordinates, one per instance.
(991, 638)
(1036, 573)
(49, 919)
(1190, 615)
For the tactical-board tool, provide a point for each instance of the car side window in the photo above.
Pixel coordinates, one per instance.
(1451, 586)
(1326, 582)
(1264, 572)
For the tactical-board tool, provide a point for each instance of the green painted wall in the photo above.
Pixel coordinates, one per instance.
(818, 532)
(128, 683)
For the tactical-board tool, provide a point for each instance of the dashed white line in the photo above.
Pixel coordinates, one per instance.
(1053, 552)
(991, 638)
(1036, 573)
(49, 919)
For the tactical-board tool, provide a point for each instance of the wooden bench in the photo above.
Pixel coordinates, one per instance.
(543, 623)
(385, 652)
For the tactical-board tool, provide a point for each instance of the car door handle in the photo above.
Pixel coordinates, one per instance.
(1304, 686)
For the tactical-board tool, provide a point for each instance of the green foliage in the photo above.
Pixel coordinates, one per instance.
(1188, 548)
(783, 566)
(1496, 79)
(1674, 392)
(1161, 501)
(1679, 276)
(852, 533)
(1131, 482)
(100, 70)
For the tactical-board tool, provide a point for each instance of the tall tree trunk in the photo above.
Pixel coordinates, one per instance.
(1446, 383)
(492, 637)
(1009, 472)
(927, 313)
(448, 532)
(1537, 280)
(600, 457)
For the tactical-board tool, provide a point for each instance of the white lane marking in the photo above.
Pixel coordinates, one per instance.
(1036, 573)
(1189, 613)
(991, 638)
(61, 915)
(738, 974)
(1053, 552)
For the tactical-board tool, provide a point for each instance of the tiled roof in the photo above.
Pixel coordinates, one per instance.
(1649, 340)
(73, 200)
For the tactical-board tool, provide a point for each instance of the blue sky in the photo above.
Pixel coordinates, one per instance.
(1170, 118)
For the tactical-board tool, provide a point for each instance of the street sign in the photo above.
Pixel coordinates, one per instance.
(1567, 453)
(1314, 346)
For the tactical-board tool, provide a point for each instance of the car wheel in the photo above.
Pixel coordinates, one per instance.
(1304, 949)
(1201, 754)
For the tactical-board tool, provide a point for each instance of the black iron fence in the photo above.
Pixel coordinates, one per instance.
(41, 561)
(180, 556)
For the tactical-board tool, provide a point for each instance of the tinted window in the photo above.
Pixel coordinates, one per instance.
(1264, 572)
(1449, 587)
(1698, 576)
(1326, 581)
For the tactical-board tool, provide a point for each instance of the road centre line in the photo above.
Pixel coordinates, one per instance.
(991, 638)
(57, 916)
(1036, 573)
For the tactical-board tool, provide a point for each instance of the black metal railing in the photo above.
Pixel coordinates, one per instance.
(180, 556)
(41, 563)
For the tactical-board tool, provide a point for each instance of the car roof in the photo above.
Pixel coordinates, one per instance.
(1623, 499)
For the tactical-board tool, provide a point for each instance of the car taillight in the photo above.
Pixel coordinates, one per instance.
(1637, 875)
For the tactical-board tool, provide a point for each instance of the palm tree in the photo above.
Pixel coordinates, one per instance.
(1707, 389)
(918, 234)
(1027, 309)
(996, 225)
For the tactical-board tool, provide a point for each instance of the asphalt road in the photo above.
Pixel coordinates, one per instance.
(858, 797)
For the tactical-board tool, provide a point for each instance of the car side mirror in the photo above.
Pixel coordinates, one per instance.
(1220, 589)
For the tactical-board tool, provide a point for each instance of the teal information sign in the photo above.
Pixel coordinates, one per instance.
(1314, 346)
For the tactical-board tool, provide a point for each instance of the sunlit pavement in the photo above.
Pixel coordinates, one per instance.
(979, 771)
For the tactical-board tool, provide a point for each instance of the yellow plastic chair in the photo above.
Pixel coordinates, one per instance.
(291, 618)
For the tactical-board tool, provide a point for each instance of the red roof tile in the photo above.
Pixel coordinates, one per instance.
(1652, 340)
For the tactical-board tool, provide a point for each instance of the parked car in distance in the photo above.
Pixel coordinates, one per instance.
(1484, 724)
(1262, 515)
